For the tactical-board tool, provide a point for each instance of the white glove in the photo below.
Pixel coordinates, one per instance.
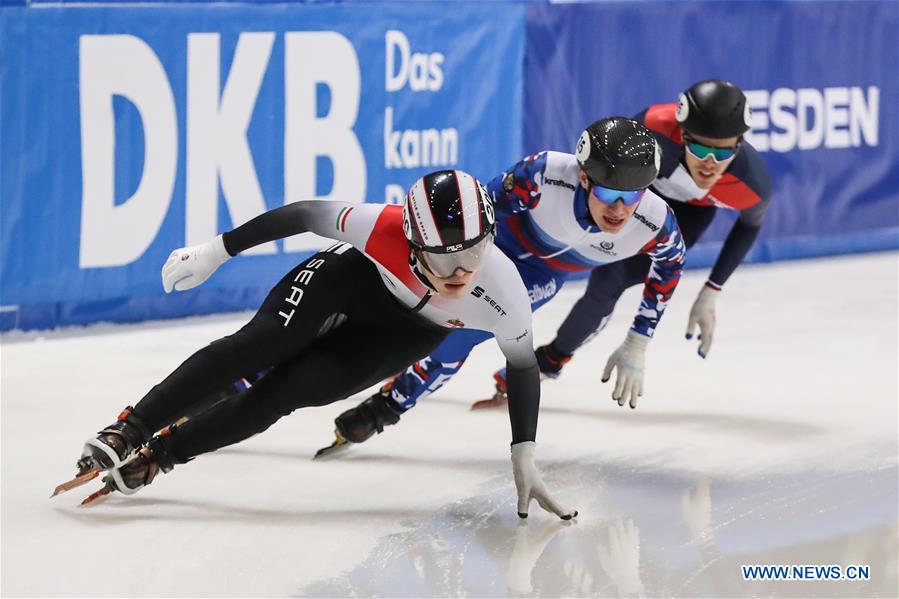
(188, 267)
(703, 314)
(629, 358)
(530, 484)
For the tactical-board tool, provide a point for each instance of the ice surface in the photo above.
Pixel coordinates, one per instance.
(780, 448)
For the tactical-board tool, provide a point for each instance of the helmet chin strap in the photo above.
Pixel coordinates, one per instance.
(418, 266)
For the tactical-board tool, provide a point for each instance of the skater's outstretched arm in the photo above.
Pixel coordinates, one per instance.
(524, 403)
(736, 246)
(190, 266)
(666, 251)
(514, 334)
(328, 218)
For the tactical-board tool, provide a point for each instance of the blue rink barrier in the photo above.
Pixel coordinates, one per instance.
(128, 131)
(821, 79)
(704, 254)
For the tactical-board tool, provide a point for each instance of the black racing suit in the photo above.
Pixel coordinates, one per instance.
(345, 334)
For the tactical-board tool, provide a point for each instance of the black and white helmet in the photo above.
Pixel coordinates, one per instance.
(619, 153)
(448, 219)
(714, 108)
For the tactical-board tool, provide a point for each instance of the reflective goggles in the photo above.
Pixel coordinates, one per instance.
(445, 264)
(609, 196)
(701, 151)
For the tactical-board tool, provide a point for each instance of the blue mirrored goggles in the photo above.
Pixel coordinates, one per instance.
(609, 196)
(701, 151)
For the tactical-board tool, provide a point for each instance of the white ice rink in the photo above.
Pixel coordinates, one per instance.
(781, 448)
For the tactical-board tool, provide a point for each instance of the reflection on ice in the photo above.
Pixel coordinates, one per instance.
(643, 532)
(620, 557)
(527, 549)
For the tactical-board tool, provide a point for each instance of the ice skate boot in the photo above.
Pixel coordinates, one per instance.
(107, 449)
(358, 424)
(551, 361)
(138, 470)
(114, 443)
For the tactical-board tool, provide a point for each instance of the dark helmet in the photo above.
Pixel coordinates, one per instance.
(619, 153)
(715, 109)
(448, 218)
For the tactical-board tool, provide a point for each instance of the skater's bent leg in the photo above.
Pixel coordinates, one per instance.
(272, 337)
(429, 374)
(591, 313)
(343, 363)
(202, 374)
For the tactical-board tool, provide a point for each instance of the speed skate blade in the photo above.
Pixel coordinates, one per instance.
(339, 446)
(76, 482)
(497, 401)
(97, 495)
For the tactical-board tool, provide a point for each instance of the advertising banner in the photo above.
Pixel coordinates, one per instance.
(130, 131)
(822, 83)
